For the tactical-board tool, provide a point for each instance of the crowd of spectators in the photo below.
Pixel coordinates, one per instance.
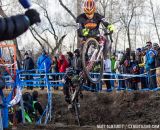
(52, 63)
(144, 60)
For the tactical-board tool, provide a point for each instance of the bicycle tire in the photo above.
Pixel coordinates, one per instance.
(77, 113)
(88, 43)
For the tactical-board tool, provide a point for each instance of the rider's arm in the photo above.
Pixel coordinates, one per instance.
(82, 31)
(109, 26)
(80, 27)
(11, 27)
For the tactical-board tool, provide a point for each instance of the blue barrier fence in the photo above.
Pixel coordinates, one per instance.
(39, 78)
(36, 78)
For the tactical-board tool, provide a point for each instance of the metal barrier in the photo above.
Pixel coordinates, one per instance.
(37, 79)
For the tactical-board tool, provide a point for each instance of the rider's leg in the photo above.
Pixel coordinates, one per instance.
(66, 93)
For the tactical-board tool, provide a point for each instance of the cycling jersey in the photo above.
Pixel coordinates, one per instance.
(92, 24)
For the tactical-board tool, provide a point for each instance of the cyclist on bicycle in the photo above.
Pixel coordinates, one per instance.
(89, 21)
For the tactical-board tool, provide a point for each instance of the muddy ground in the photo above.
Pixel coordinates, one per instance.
(104, 108)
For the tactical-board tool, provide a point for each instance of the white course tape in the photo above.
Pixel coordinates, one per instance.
(17, 98)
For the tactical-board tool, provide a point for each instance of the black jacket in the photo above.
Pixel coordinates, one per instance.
(11, 27)
(28, 63)
(83, 21)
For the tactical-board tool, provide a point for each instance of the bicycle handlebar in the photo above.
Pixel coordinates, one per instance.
(107, 33)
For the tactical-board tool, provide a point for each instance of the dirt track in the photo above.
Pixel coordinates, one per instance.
(106, 108)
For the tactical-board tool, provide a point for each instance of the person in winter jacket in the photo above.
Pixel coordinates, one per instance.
(135, 70)
(44, 64)
(70, 59)
(119, 70)
(107, 69)
(77, 61)
(62, 64)
(28, 64)
(150, 65)
(125, 61)
(140, 56)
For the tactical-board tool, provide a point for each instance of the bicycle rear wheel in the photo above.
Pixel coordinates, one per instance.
(92, 60)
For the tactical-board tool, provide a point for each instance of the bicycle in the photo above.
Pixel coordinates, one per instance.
(93, 51)
(74, 89)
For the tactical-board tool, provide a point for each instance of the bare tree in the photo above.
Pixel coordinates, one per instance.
(51, 30)
(128, 14)
(154, 19)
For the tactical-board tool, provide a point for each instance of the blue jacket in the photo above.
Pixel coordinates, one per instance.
(42, 60)
(150, 59)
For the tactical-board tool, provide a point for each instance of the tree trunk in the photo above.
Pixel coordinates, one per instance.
(116, 41)
(19, 57)
(78, 13)
(129, 38)
(154, 19)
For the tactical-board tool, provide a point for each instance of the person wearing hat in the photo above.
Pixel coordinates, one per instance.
(28, 64)
(150, 65)
(155, 46)
(70, 59)
(157, 62)
(125, 62)
(77, 61)
(107, 69)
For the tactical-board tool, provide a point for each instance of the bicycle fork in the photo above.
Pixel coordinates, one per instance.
(100, 51)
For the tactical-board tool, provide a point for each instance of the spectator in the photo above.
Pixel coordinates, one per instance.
(28, 64)
(119, 70)
(150, 65)
(36, 105)
(140, 56)
(125, 61)
(158, 67)
(134, 70)
(113, 60)
(77, 61)
(44, 64)
(70, 59)
(55, 69)
(107, 69)
(62, 64)
(157, 62)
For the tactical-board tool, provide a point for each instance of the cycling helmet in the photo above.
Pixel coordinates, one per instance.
(89, 7)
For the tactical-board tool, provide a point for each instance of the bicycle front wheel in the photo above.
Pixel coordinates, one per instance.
(92, 60)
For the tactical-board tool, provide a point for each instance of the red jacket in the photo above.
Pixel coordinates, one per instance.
(62, 64)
